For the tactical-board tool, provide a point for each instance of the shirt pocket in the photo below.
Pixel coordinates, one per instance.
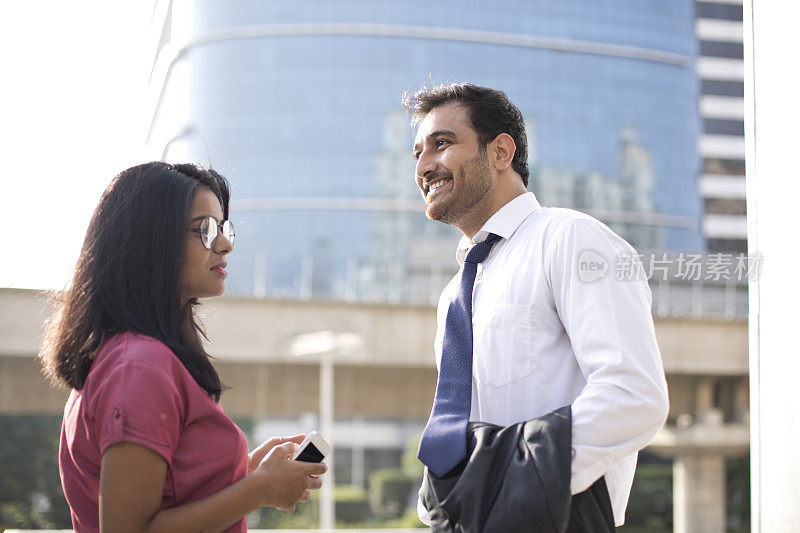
(503, 345)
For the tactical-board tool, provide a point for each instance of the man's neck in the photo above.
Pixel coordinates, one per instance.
(474, 221)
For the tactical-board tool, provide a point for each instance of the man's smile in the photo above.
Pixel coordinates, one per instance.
(437, 188)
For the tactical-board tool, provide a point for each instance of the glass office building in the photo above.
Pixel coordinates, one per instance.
(298, 103)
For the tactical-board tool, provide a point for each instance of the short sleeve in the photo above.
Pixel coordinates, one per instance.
(139, 400)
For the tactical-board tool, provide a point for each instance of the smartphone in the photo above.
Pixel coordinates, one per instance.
(313, 449)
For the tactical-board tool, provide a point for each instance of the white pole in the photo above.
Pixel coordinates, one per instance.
(327, 514)
(357, 466)
(772, 115)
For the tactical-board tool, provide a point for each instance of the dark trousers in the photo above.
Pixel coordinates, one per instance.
(590, 510)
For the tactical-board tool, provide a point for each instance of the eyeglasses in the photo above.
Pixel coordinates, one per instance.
(210, 228)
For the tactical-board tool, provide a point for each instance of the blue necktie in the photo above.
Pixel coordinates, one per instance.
(444, 441)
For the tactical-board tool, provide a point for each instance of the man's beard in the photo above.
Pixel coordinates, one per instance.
(473, 184)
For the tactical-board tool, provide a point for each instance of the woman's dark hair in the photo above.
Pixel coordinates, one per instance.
(490, 112)
(127, 275)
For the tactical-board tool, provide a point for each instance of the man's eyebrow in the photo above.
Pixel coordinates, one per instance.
(437, 133)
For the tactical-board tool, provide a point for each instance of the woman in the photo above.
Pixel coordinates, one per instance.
(145, 445)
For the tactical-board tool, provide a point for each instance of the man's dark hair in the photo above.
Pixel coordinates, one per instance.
(489, 110)
(128, 274)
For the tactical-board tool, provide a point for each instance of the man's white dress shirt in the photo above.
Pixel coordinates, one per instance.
(546, 336)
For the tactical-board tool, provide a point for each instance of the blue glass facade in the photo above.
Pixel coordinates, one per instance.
(298, 103)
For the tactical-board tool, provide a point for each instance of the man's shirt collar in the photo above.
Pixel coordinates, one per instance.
(503, 223)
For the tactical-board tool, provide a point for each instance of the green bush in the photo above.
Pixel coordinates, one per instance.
(30, 487)
(410, 463)
(389, 492)
(352, 507)
(305, 516)
(410, 520)
(351, 504)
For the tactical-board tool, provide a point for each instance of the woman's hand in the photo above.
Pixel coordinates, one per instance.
(285, 482)
(132, 484)
(263, 449)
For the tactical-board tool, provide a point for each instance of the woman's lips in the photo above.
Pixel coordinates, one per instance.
(220, 269)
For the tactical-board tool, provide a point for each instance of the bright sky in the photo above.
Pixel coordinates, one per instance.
(72, 115)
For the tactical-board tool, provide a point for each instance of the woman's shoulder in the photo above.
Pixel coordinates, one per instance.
(134, 350)
(128, 364)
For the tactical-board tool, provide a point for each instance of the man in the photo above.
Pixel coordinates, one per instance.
(545, 333)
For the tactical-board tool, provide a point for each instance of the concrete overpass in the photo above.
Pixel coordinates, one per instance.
(385, 378)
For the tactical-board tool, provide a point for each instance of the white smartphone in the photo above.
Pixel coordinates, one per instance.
(313, 449)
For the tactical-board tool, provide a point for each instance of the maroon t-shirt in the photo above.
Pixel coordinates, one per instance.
(138, 391)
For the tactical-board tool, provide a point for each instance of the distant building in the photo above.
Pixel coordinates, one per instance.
(300, 108)
(623, 200)
(720, 68)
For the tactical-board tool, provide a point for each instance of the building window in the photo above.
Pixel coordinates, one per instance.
(726, 206)
(724, 167)
(710, 10)
(723, 127)
(736, 246)
(721, 49)
(722, 88)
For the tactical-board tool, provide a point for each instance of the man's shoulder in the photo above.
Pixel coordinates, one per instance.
(550, 226)
(564, 215)
(553, 222)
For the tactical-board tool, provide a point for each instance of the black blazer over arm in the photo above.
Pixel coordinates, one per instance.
(517, 478)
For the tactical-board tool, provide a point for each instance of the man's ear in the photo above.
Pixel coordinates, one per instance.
(504, 149)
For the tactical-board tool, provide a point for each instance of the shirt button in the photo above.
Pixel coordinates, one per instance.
(116, 413)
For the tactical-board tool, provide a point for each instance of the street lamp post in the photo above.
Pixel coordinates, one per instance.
(326, 344)
(327, 512)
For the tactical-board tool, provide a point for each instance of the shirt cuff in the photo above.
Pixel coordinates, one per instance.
(422, 513)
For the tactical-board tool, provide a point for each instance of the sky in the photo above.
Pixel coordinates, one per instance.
(72, 116)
